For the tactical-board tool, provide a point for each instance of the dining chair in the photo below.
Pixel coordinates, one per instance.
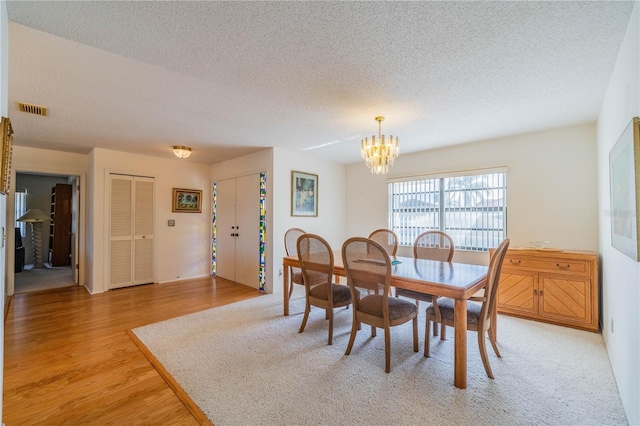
(387, 239)
(367, 266)
(433, 245)
(290, 240)
(316, 263)
(478, 315)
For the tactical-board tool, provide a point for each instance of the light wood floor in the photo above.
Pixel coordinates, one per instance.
(69, 360)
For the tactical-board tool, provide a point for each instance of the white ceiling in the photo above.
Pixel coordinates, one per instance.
(230, 78)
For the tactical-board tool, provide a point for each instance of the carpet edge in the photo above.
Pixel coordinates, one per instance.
(191, 406)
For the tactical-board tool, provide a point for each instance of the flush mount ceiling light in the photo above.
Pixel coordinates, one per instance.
(182, 151)
(379, 154)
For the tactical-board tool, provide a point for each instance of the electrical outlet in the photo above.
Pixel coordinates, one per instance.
(612, 325)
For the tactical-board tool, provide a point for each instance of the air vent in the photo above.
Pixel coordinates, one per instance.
(32, 109)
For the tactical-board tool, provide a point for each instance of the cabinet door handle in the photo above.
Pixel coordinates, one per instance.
(515, 262)
(535, 292)
(566, 266)
(541, 293)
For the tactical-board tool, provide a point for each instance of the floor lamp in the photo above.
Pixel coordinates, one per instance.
(35, 217)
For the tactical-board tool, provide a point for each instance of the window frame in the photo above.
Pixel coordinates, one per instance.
(429, 192)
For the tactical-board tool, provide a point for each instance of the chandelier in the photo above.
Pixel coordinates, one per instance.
(181, 151)
(379, 154)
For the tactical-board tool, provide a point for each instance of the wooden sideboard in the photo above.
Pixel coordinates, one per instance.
(554, 286)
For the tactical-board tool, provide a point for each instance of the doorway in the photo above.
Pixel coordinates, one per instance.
(46, 253)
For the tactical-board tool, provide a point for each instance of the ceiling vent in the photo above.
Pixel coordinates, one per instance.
(32, 109)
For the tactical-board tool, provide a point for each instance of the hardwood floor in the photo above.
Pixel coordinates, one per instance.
(69, 360)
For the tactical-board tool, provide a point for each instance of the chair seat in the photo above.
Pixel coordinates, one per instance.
(398, 308)
(446, 306)
(414, 295)
(341, 293)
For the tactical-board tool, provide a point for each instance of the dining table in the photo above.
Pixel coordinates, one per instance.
(458, 281)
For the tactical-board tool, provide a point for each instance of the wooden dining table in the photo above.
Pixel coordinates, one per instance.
(458, 281)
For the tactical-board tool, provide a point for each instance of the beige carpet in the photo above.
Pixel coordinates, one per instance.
(246, 364)
(43, 279)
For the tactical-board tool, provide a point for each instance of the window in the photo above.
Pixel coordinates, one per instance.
(470, 208)
(21, 208)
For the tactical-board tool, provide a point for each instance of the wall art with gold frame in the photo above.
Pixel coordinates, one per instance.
(6, 153)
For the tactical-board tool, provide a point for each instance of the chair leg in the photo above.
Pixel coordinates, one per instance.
(387, 350)
(306, 316)
(355, 325)
(426, 337)
(290, 290)
(483, 354)
(330, 314)
(415, 334)
(373, 331)
(435, 328)
(443, 332)
(492, 339)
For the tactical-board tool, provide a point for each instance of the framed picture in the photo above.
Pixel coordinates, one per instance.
(304, 194)
(187, 200)
(5, 155)
(624, 178)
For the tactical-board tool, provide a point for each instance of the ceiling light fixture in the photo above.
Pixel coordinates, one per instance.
(182, 151)
(379, 155)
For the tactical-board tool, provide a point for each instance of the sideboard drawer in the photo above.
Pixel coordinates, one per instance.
(572, 266)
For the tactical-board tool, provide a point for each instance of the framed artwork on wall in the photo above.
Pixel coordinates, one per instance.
(187, 200)
(5, 153)
(304, 194)
(624, 180)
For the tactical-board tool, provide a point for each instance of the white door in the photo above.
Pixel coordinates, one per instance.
(238, 230)
(131, 231)
(248, 230)
(226, 229)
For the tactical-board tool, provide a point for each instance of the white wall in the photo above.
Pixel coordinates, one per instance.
(620, 274)
(278, 164)
(4, 108)
(551, 186)
(182, 251)
(330, 223)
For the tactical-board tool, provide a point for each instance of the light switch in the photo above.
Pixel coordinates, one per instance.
(171, 222)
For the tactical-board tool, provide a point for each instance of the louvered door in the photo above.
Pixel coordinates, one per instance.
(131, 231)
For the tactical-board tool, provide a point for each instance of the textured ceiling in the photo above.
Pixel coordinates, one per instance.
(230, 78)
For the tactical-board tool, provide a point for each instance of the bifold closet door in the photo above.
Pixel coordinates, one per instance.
(131, 231)
(238, 230)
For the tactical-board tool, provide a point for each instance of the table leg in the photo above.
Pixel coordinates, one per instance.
(285, 289)
(460, 344)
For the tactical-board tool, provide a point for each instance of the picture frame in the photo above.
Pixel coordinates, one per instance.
(624, 180)
(187, 200)
(304, 194)
(6, 154)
